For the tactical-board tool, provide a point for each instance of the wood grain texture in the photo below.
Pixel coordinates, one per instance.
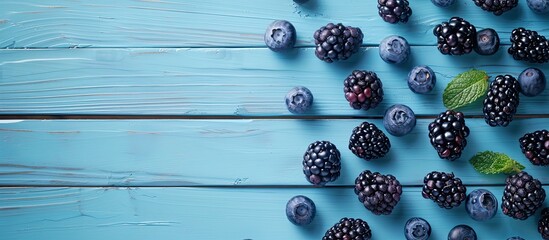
(228, 152)
(214, 213)
(222, 81)
(215, 178)
(199, 23)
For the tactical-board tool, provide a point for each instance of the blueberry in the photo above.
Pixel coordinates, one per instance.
(539, 6)
(532, 82)
(462, 232)
(299, 100)
(421, 79)
(280, 36)
(515, 238)
(399, 120)
(443, 3)
(487, 42)
(394, 49)
(481, 205)
(300, 210)
(417, 229)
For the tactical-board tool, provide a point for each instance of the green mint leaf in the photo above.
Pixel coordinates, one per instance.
(465, 88)
(489, 162)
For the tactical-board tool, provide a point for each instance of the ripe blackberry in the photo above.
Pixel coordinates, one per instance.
(321, 163)
(368, 142)
(448, 134)
(501, 101)
(522, 196)
(337, 42)
(394, 11)
(535, 147)
(444, 189)
(379, 193)
(455, 37)
(363, 89)
(543, 223)
(349, 229)
(497, 7)
(528, 45)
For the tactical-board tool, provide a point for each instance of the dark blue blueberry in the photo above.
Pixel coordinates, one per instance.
(487, 42)
(532, 82)
(539, 6)
(462, 232)
(515, 238)
(481, 205)
(417, 229)
(399, 120)
(280, 35)
(443, 3)
(300, 210)
(394, 49)
(421, 79)
(301, 1)
(299, 100)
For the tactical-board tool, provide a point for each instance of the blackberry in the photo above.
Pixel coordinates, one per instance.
(543, 223)
(455, 37)
(369, 142)
(337, 42)
(501, 101)
(363, 89)
(349, 229)
(529, 46)
(522, 196)
(444, 189)
(535, 147)
(394, 11)
(379, 193)
(321, 163)
(448, 134)
(497, 7)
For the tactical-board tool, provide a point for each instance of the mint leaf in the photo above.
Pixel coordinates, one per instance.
(465, 88)
(489, 162)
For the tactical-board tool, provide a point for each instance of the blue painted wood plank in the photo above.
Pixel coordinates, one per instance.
(220, 213)
(221, 81)
(199, 23)
(227, 152)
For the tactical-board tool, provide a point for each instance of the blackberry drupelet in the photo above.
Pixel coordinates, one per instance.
(394, 11)
(522, 196)
(336, 42)
(369, 142)
(528, 45)
(535, 147)
(379, 193)
(363, 89)
(349, 229)
(501, 101)
(497, 7)
(448, 134)
(455, 37)
(444, 189)
(543, 223)
(321, 163)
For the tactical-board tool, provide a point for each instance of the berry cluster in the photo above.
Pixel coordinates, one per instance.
(379, 193)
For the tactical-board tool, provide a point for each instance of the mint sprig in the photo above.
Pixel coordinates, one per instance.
(489, 162)
(465, 88)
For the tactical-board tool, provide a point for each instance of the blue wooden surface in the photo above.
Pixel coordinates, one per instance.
(228, 152)
(222, 81)
(226, 168)
(219, 213)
